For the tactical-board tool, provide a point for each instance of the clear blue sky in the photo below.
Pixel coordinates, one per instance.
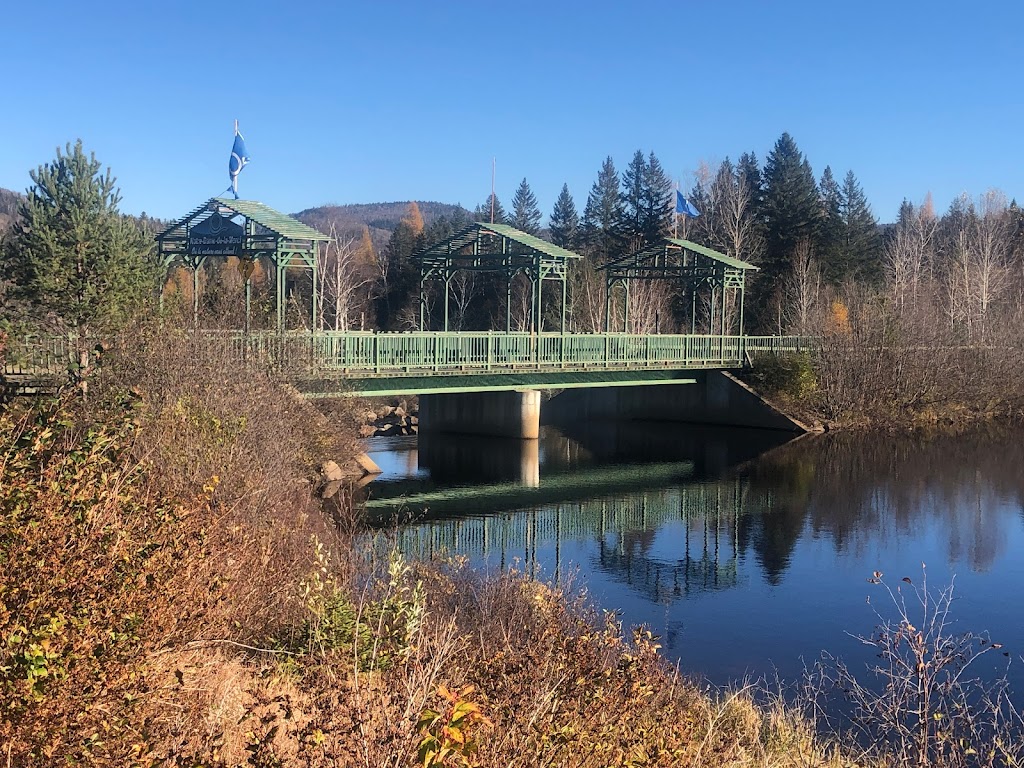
(378, 101)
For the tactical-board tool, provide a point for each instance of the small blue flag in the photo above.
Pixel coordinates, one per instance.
(684, 206)
(238, 161)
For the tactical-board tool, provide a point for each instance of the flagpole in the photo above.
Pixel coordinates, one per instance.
(675, 213)
(493, 162)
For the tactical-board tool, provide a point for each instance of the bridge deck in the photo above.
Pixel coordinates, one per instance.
(389, 363)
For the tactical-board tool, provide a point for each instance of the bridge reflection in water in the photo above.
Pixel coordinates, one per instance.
(544, 506)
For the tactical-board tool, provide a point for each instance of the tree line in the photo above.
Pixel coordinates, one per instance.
(818, 246)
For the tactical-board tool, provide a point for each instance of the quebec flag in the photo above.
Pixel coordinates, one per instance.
(684, 206)
(238, 161)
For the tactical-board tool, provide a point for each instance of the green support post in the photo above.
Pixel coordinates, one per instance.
(447, 282)
(313, 324)
(195, 295)
(565, 298)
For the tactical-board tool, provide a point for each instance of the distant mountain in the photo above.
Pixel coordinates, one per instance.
(380, 218)
(8, 207)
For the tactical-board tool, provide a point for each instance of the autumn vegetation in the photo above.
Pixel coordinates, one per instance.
(174, 592)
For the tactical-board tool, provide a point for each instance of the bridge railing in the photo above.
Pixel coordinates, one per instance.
(369, 353)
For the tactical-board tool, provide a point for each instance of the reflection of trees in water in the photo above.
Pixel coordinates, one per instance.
(855, 489)
(705, 560)
(624, 529)
(858, 488)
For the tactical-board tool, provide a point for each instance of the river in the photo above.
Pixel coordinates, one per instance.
(748, 553)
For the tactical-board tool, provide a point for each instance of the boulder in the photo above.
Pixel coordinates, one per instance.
(367, 430)
(330, 472)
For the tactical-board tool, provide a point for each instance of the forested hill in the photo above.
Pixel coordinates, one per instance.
(8, 207)
(380, 218)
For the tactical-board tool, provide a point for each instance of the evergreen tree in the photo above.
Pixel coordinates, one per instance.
(749, 172)
(565, 221)
(603, 214)
(646, 201)
(72, 255)
(659, 204)
(399, 276)
(791, 211)
(862, 246)
(483, 212)
(832, 233)
(525, 211)
(632, 221)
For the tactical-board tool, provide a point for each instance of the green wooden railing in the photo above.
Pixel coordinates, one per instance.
(370, 354)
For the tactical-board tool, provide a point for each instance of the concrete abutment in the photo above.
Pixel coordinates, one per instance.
(715, 397)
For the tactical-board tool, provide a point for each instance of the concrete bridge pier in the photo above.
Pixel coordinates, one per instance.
(496, 414)
(714, 397)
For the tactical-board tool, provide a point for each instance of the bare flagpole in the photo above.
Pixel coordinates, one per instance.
(493, 161)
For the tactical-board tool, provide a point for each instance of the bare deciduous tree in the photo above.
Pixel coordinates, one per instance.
(803, 287)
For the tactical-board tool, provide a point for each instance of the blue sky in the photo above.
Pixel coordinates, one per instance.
(374, 101)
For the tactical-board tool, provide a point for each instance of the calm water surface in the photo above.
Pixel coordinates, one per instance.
(748, 555)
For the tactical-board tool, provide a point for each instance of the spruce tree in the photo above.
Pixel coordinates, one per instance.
(483, 211)
(748, 171)
(565, 221)
(659, 204)
(525, 211)
(646, 202)
(791, 210)
(632, 221)
(603, 214)
(862, 246)
(72, 255)
(832, 234)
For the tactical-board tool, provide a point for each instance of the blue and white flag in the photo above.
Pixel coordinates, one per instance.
(238, 161)
(684, 206)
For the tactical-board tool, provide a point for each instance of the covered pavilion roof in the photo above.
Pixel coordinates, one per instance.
(271, 221)
(671, 257)
(492, 246)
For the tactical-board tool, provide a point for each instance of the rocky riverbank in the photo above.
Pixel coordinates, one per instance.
(390, 418)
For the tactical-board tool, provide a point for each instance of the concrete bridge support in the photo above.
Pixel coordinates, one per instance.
(496, 414)
(716, 397)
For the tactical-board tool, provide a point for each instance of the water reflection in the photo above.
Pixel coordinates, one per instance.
(744, 554)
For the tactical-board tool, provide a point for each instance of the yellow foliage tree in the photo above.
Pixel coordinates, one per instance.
(365, 253)
(839, 318)
(414, 218)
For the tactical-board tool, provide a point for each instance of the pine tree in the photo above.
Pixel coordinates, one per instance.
(791, 211)
(565, 221)
(862, 246)
(483, 212)
(525, 211)
(603, 215)
(72, 255)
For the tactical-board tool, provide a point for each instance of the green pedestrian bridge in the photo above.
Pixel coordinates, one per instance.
(486, 382)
